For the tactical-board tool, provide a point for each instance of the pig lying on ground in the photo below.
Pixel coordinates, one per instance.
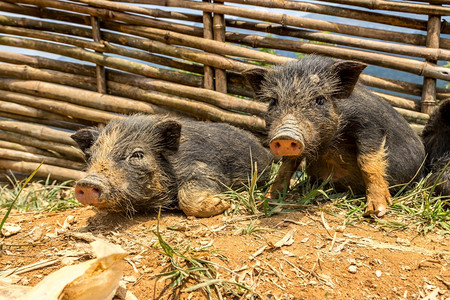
(318, 111)
(143, 162)
(436, 137)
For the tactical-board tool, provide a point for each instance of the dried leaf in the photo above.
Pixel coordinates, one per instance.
(433, 295)
(258, 252)
(288, 253)
(94, 279)
(324, 222)
(287, 240)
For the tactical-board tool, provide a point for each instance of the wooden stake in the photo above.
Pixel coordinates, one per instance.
(429, 84)
(96, 35)
(208, 81)
(219, 35)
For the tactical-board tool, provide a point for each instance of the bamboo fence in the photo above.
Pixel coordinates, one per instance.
(184, 57)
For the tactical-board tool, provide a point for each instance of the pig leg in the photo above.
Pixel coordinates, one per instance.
(373, 167)
(197, 200)
(283, 178)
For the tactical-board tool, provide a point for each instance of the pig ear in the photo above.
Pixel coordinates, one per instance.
(348, 73)
(168, 134)
(255, 77)
(86, 137)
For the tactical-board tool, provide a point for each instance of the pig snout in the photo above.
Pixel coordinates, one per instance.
(287, 139)
(88, 190)
(286, 147)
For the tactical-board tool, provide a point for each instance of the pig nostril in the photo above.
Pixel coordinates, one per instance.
(78, 191)
(87, 195)
(277, 145)
(294, 145)
(96, 191)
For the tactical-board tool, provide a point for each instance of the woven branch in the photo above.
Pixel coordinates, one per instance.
(79, 97)
(77, 113)
(68, 30)
(25, 148)
(57, 124)
(397, 6)
(286, 20)
(37, 158)
(44, 133)
(57, 173)
(60, 150)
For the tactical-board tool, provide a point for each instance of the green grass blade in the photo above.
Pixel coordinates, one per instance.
(8, 211)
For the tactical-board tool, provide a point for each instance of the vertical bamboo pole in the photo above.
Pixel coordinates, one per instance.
(219, 35)
(429, 84)
(208, 80)
(101, 74)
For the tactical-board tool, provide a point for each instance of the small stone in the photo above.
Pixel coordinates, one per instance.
(378, 273)
(340, 228)
(352, 269)
(70, 219)
(10, 229)
(25, 281)
(129, 279)
(351, 261)
(37, 233)
(403, 242)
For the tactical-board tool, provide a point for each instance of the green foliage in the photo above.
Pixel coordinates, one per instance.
(414, 205)
(186, 264)
(11, 205)
(253, 199)
(38, 196)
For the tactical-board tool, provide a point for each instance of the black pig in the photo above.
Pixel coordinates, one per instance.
(436, 138)
(318, 111)
(142, 162)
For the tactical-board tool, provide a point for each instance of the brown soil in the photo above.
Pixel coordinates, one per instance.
(322, 259)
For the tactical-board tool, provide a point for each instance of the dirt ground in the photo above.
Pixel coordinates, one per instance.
(298, 255)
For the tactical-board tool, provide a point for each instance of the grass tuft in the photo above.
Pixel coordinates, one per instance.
(16, 197)
(253, 200)
(38, 196)
(415, 205)
(187, 266)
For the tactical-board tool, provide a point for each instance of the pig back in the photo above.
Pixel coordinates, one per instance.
(217, 152)
(369, 119)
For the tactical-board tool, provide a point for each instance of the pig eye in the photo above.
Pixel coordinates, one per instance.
(320, 100)
(137, 154)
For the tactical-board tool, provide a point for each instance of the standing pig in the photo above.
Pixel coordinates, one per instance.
(436, 137)
(318, 111)
(143, 162)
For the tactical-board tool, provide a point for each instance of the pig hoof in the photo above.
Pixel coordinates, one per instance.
(274, 192)
(203, 205)
(375, 210)
(381, 210)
